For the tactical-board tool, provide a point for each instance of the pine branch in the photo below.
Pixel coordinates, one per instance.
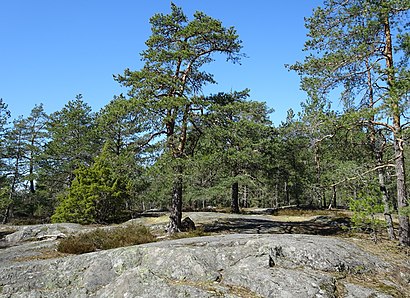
(362, 174)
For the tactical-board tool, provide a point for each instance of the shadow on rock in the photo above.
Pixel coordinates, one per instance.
(322, 225)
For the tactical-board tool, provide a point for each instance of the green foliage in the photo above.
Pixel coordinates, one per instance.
(365, 211)
(234, 134)
(291, 163)
(5, 200)
(405, 211)
(4, 116)
(165, 91)
(97, 194)
(21, 149)
(357, 49)
(4, 187)
(73, 142)
(107, 238)
(118, 124)
(120, 127)
(166, 138)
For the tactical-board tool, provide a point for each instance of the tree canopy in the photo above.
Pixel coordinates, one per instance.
(166, 91)
(166, 144)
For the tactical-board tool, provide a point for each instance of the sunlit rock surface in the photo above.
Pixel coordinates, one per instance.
(234, 265)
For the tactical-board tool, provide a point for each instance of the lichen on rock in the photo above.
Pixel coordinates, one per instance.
(236, 265)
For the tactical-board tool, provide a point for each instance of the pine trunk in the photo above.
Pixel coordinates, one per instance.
(31, 167)
(287, 193)
(8, 210)
(32, 186)
(175, 217)
(334, 196)
(235, 198)
(404, 229)
(385, 199)
(6, 215)
(378, 155)
(245, 197)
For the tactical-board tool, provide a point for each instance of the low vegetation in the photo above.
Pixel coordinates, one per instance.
(199, 232)
(100, 239)
(322, 222)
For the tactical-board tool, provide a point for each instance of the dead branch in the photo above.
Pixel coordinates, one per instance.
(362, 174)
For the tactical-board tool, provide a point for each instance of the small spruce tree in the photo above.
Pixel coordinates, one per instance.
(97, 195)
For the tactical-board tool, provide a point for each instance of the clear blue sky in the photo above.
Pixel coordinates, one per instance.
(52, 50)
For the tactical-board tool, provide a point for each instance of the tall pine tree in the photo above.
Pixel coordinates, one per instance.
(166, 89)
(350, 41)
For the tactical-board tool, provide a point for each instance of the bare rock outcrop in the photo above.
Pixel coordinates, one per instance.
(41, 232)
(236, 265)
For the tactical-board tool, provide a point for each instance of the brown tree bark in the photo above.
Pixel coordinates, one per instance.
(404, 227)
(175, 217)
(235, 197)
(245, 202)
(334, 196)
(378, 156)
(385, 199)
(31, 167)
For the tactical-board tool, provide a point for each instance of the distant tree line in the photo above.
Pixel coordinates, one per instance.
(167, 145)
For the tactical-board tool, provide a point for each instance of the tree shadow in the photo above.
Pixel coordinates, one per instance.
(322, 225)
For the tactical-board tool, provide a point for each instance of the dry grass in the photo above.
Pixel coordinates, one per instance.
(199, 232)
(289, 218)
(312, 212)
(304, 215)
(157, 220)
(101, 239)
(386, 249)
(395, 281)
(218, 290)
(44, 254)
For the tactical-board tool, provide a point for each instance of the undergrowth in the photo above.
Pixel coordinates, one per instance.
(199, 232)
(101, 239)
(311, 212)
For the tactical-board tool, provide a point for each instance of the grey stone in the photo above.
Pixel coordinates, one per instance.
(40, 232)
(356, 291)
(187, 224)
(236, 265)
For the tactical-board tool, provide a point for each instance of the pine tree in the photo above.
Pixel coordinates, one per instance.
(361, 47)
(166, 89)
(73, 143)
(235, 131)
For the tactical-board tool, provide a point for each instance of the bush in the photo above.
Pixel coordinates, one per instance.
(364, 215)
(101, 239)
(98, 194)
